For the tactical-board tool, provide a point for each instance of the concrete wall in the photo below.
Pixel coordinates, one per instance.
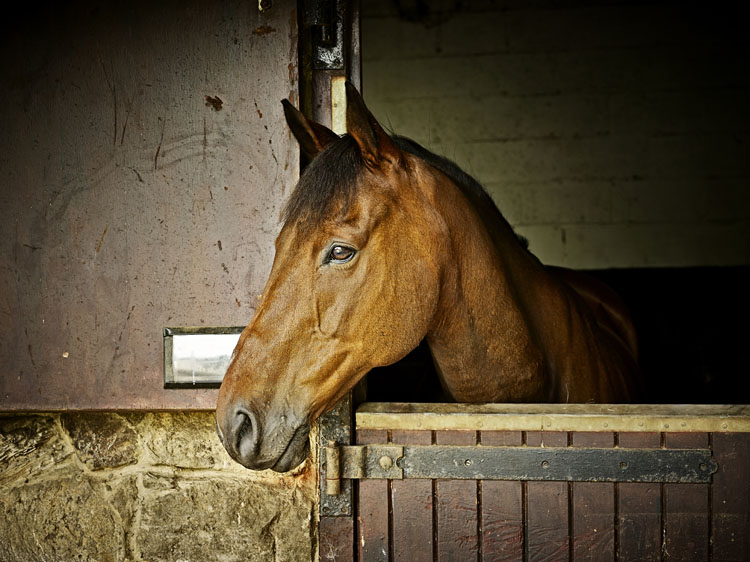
(610, 134)
(143, 486)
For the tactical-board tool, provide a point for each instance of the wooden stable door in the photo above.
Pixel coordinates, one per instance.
(145, 161)
(525, 483)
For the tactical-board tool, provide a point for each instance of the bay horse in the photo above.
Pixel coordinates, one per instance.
(384, 244)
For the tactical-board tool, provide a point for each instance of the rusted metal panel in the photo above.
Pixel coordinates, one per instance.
(336, 539)
(145, 160)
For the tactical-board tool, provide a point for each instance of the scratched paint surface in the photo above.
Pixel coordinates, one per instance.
(144, 162)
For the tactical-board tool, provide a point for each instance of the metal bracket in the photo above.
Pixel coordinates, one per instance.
(334, 427)
(518, 463)
(355, 462)
(326, 20)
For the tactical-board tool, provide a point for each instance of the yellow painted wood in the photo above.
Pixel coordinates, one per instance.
(555, 417)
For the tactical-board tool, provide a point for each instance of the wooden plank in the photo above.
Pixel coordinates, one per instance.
(555, 417)
(336, 539)
(501, 508)
(593, 532)
(730, 498)
(686, 515)
(547, 525)
(639, 508)
(373, 508)
(457, 509)
(412, 508)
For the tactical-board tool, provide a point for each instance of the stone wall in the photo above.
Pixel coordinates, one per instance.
(611, 134)
(143, 486)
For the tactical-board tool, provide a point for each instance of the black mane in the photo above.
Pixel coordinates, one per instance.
(330, 182)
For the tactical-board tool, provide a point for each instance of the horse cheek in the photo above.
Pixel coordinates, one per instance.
(406, 314)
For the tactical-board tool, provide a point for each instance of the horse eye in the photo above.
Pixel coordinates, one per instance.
(340, 254)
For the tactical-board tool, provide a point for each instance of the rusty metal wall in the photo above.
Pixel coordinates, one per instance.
(144, 161)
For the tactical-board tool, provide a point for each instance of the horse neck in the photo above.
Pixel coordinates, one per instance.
(484, 340)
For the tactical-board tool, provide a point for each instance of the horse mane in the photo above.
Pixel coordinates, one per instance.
(330, 182)
(468, 185)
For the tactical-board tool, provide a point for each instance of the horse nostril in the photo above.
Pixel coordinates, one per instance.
(245, 431)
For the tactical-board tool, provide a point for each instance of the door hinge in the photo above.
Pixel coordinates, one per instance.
(516, 463)
(355, 462)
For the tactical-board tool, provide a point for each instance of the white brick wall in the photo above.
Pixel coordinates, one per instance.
(609, 135)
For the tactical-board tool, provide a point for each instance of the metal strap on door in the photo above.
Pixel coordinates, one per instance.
(516, 463)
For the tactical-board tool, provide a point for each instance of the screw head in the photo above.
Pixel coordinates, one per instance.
(386, 462)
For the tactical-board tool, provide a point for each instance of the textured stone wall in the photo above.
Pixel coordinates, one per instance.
(143, 486)
(611, 134)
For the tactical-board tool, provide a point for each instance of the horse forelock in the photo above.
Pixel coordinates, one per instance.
(328, 184)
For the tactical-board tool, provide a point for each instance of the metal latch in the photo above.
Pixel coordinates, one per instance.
(516, 463)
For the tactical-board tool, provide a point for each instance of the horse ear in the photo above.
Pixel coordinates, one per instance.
(374, 143)
(312, 136)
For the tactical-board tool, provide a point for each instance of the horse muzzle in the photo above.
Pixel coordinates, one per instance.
(272, 443)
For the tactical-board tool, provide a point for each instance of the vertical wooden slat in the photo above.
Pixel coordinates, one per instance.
(501, 508)
(593, 531)
(639, 508)
(686, 516)
(457, 529)
(547, 522)
(372, 515)
(411, 502)
(730, 498)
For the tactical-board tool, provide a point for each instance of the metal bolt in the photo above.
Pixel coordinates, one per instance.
(468, 462)
(623, 465)
(386, 462)
(545, 464)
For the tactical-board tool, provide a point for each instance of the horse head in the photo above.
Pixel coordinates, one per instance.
(355, 284)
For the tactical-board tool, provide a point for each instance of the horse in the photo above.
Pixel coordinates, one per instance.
(385, 244)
